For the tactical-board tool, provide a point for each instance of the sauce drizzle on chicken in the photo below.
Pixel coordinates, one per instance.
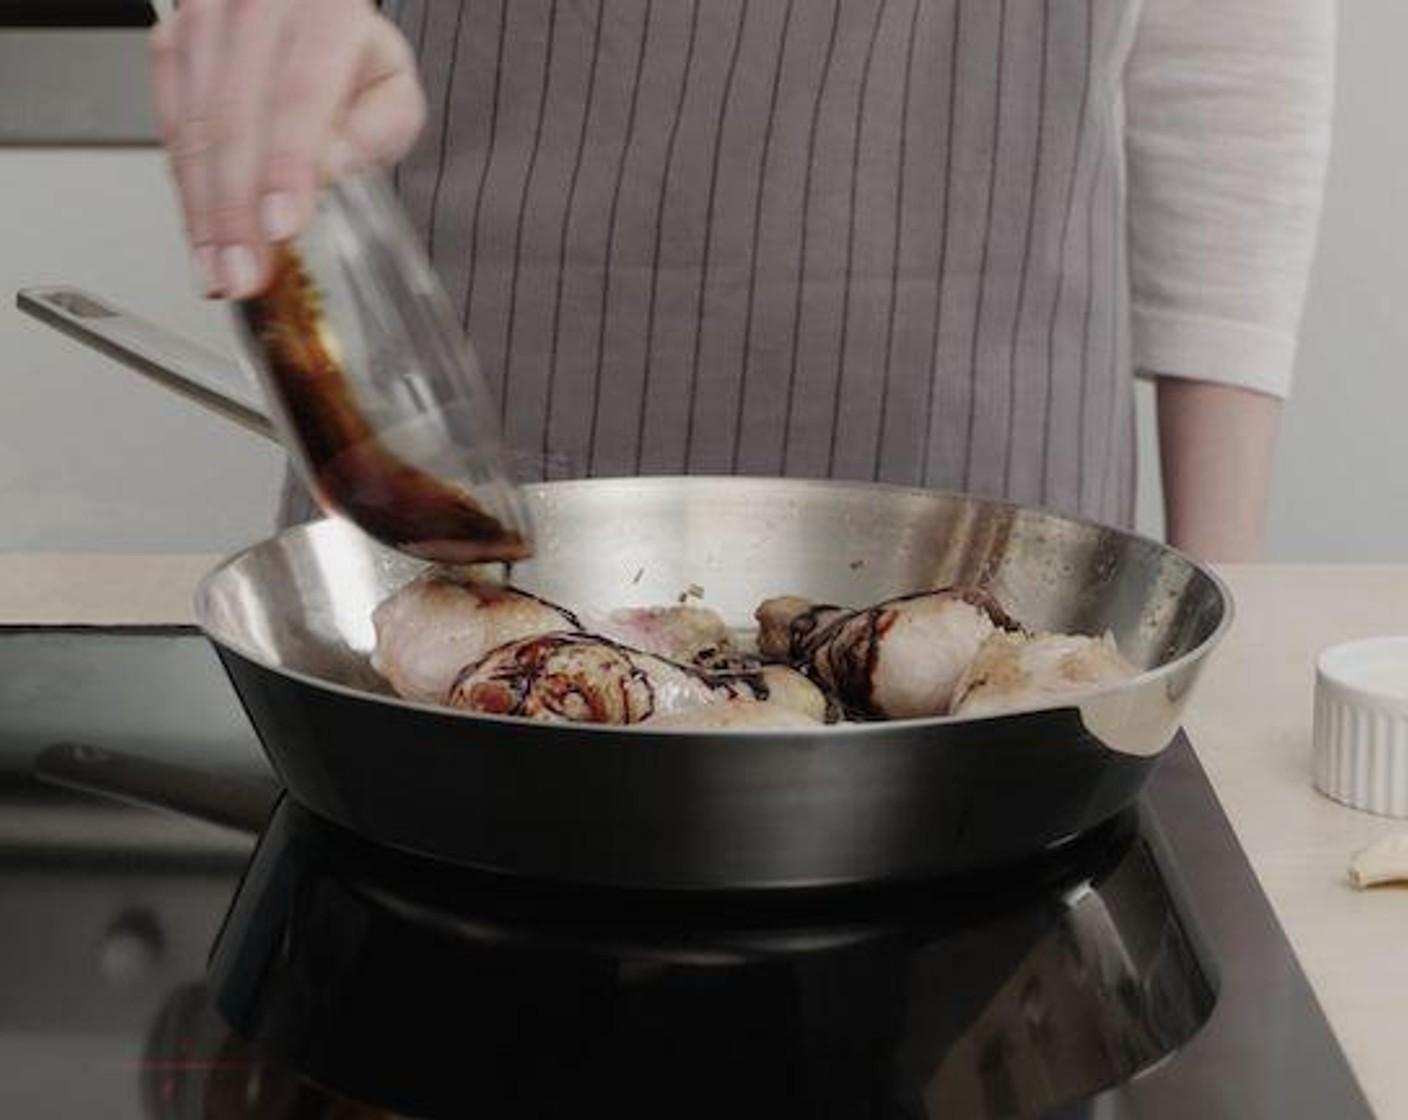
(483, 647)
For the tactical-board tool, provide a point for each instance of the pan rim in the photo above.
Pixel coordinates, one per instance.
(1140, 682)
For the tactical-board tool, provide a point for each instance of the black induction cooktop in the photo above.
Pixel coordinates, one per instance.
(152, 969)
(76, 13)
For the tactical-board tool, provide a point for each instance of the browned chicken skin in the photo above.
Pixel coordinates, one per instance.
(439, 623)
(1013, 672)
(583, 678)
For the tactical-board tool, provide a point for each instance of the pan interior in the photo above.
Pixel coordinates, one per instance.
(303, 600)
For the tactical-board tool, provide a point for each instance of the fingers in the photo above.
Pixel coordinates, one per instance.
(168, 100)
(209, 67)
(317, 79)
(181, 51)
(198, 41)
(252, 96)
(238, 107)
(384, 120)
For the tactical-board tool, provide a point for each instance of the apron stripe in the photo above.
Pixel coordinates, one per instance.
(1023, 275)
(1087, 322)
(486, 166)
(861, 98)
(1064, 267)
(671, 146)
(802, 249)
(901, 175)
(1067, 269)
(525, 210)
(754, 253)
(1118, 404)
(568, 214)
(396, 13)
(612, 230)
(975, 392)
(446, 108)
(710, 219)
(931, 395)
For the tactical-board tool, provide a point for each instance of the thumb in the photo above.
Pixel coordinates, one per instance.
(380, 125)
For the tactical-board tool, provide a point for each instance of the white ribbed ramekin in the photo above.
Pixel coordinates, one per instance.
(1361, 724)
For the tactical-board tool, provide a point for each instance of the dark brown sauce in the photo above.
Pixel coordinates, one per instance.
(812, 627)
(393, 501)
(841, 651)
(540, 675)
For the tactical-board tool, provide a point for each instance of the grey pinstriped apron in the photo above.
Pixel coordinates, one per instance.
(877, 239)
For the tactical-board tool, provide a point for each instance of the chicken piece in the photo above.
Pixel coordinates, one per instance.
(784, 687)
(787, 624)
(442, 621)
(1014, 672)
(680, 633)
(577, 678)
(582, 678)
(781, 684)
(899, 659)
(751, 715)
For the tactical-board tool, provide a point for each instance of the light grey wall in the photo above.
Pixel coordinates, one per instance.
(1342, 482)
(92, 459)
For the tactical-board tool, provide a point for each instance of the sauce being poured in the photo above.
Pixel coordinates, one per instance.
(356, 473)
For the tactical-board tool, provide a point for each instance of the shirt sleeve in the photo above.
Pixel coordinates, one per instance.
(1228, 106)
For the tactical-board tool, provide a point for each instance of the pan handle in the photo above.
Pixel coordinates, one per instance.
(240, 804)
(179, 364)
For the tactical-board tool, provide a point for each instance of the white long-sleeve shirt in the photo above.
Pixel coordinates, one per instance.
(1228, 128)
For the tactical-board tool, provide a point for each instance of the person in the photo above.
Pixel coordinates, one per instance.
(920, 241)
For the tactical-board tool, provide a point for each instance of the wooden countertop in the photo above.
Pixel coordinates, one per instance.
(1250, 724)
(98, 589)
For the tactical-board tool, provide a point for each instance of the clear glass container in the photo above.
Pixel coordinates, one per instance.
(377, 394)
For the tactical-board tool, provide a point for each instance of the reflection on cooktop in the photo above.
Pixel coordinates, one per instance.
(422, 990)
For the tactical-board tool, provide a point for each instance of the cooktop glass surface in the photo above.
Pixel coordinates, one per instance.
(155, 967)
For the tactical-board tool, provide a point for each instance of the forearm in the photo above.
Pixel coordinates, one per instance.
(1228, 121)
(1216, 444)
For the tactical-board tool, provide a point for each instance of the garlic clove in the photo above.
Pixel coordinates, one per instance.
(1384, 862)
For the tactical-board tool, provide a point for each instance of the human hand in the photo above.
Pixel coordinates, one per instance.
(259, 102)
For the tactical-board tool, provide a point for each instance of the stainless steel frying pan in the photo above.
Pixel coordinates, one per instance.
(291, 620)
